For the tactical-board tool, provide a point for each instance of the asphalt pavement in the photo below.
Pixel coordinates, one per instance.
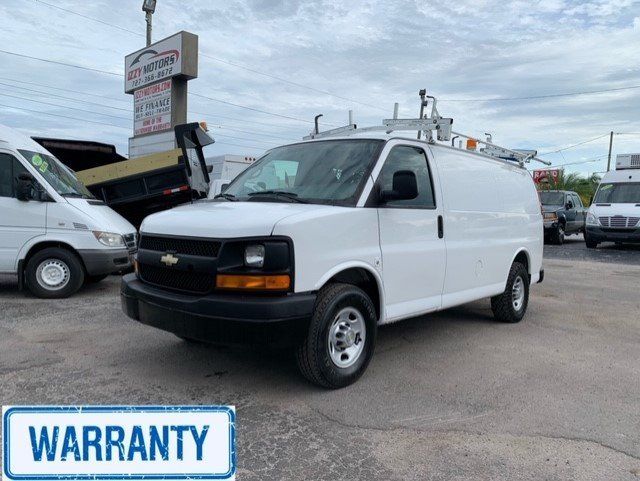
(575, 249)
(449, 396)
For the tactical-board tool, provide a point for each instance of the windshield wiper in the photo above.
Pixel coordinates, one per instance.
(279, 193)
(222, 195)
(72, 194)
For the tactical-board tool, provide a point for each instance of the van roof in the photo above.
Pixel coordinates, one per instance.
(618, 176)
(14, 140)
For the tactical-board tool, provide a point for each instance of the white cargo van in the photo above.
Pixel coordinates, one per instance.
(318, 243)
(614, 215)
(53, 233)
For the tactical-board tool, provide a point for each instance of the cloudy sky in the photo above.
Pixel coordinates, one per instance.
(298, 58)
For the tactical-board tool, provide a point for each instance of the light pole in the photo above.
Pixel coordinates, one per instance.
(148, 7)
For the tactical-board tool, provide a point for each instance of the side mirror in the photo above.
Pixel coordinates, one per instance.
(24, 187)
(405, 187)
(569, 205)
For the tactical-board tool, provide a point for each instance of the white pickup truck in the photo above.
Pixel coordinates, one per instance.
(318, 243)
(54, 234)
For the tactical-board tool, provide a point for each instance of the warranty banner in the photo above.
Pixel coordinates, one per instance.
(118, 442)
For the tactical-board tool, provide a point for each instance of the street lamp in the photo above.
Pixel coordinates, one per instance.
(148, 7)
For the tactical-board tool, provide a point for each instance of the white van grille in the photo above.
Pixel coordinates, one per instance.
(619, 221)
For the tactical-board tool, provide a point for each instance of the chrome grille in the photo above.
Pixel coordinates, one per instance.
(619, 222)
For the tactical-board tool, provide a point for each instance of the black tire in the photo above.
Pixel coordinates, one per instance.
(313, 356)
(590, 244)
(504, 306)
(95, 279)
(61, 261)
(558, 235)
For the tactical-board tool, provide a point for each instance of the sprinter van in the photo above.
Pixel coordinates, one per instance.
(614, 215)
(53, 233)
(318, 243)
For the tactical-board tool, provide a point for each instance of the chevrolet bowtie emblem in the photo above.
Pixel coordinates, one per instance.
(169, 260)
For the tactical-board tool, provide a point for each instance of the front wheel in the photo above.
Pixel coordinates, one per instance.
(511, 305)
(590, 243)
(54, 273)
(341, 337)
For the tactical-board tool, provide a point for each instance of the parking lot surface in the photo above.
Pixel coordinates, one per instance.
(574, 248)
(448, 396)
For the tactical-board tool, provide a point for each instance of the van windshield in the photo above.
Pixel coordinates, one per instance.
(323, 172)
(551, 198)
(627, 193)
(57, 175)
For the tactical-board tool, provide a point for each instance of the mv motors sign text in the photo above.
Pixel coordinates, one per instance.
(118, 442)
(175, 56)
(152, 108)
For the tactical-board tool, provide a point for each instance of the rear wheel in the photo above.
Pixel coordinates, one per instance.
(54, 273)
(341, 337)
(558, 235)
(511, 305)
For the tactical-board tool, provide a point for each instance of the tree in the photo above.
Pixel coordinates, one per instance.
(584, 186)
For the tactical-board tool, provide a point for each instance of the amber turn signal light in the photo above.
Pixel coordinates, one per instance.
(267, 283)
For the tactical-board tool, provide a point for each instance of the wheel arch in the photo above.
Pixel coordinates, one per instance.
(361, 275)
(523, 256)
(39, 246)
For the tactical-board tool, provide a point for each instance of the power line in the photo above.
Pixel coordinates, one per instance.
(91, 18)
(64, 106)
(63, 90)
(61, 63)
(63, 116)
(211, 57)
(290, 82)
(574, 145)
(190, 93)
(547, 96)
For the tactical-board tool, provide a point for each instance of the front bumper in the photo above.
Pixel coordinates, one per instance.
(105, 261)
(220, 318)
(598, 234)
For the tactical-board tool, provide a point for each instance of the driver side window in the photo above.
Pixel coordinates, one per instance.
(10, 169)
(404, 157)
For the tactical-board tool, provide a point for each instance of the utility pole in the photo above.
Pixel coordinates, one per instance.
(149, 7)
(610, 146)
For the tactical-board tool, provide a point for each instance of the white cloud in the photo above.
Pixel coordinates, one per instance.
(374, 51)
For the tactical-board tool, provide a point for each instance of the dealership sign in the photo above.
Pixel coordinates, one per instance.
(547, 176)
(118, 442)
(175, 56)
(152, 108)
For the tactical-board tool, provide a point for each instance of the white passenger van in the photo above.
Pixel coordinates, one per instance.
(53, 233)
(614, 215)
(318, 243)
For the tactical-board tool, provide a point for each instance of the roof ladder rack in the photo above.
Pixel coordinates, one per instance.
(427, 124)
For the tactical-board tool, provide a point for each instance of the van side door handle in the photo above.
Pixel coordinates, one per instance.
(440, 227)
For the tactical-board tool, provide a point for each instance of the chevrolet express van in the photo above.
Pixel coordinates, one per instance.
(614, 215)
(54, 235)
(318, 243)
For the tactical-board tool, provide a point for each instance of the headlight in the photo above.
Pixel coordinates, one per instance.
(254, 255)
(550, 216)
(591, 219)
(109, 239)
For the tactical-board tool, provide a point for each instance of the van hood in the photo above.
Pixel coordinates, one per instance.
(224, 219)
(609, 210)
(99, 216)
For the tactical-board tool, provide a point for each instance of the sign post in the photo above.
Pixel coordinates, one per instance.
(157, 78)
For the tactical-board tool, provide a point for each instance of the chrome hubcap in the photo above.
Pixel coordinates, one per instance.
(347, 336)
(53, 274)
(517, 293)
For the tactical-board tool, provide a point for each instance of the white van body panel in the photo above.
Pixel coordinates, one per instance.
(491, 214)
(24, 224)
